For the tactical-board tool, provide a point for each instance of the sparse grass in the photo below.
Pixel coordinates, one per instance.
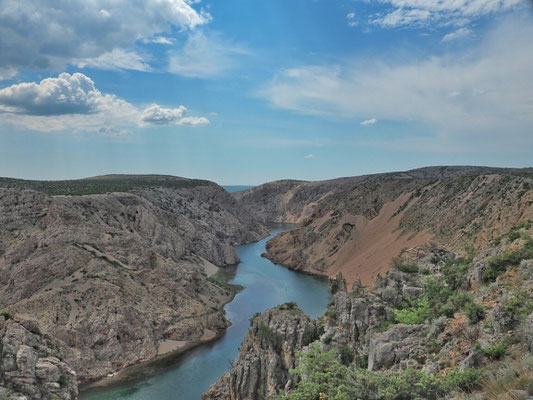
(405, 266)
(513, 375)
(6, 315)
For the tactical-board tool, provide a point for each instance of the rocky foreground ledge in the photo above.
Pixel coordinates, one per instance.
(31, 364)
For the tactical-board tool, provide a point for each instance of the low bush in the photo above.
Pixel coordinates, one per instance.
(267, 335)
(464, 380)
(494, 351)
(475, 312)
(497, 265)
(405, 266)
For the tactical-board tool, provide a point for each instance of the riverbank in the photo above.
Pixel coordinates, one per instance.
(264, 285)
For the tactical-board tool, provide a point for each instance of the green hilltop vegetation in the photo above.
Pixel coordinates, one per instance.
(102, 184)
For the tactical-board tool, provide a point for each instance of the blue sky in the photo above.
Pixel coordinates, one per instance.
(243, 92)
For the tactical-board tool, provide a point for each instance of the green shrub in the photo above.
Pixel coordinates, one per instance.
(320, 375)
(6, 315)
(331, 313)
(475, 312)
(466, 380)
(290, 305)
(405, 266)
(454, 272)
(495, 351)
(497, 265)
(267, 335)
(257, 314)
(416, 314)
(320, 329)
(519, 306)
(327, 339)
(347, 355)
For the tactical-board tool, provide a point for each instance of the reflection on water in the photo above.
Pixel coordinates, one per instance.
(265, 286)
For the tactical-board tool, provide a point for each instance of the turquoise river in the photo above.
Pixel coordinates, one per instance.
(265, 285)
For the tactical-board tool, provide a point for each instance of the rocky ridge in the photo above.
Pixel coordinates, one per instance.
(119, 278)
(358, 225)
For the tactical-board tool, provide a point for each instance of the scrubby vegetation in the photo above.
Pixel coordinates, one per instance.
(497, 265)
(439, 300)
(103, 184)
(324, 376)
(267, 335)
(488, 324)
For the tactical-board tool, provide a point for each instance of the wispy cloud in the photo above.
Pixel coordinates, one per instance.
(309, 156)
(205, 56)
(458, 34)
(116, 59)
(441, 12)
(482, 92)
(351, 19)
(367, 122)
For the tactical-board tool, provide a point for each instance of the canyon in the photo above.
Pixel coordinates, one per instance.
(117, 270)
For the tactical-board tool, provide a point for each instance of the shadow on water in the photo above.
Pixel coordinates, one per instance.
(265, 285)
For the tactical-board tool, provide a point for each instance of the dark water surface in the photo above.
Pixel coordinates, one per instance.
(265, 286)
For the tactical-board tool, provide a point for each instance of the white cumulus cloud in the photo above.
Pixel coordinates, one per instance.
(72, 102)
(47, 34)
(158, 115)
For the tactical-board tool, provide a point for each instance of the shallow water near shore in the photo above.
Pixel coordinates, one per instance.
(265, 285)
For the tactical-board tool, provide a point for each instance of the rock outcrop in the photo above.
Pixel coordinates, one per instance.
(30, 364)
(121, 277)
(268, 352)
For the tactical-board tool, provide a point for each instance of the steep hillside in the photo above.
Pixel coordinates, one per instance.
(357, 226)
(437, 326)
(121, 277)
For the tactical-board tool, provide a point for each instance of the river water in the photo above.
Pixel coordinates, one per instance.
(265, 285)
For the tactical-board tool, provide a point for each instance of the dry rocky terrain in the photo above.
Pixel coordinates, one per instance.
(358, 225)
(435, 326)
(429, 275)
(118, 278)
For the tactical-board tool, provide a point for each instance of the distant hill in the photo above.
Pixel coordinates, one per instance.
(236, 188)
(103, 184)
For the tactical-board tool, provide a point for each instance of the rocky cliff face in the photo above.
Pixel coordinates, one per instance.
(31, 365)
(268, 352)
(357, 226)
(120, 278)
(465, 324)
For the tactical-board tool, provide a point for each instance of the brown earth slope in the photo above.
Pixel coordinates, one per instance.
(358, 225)
(119, 278)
